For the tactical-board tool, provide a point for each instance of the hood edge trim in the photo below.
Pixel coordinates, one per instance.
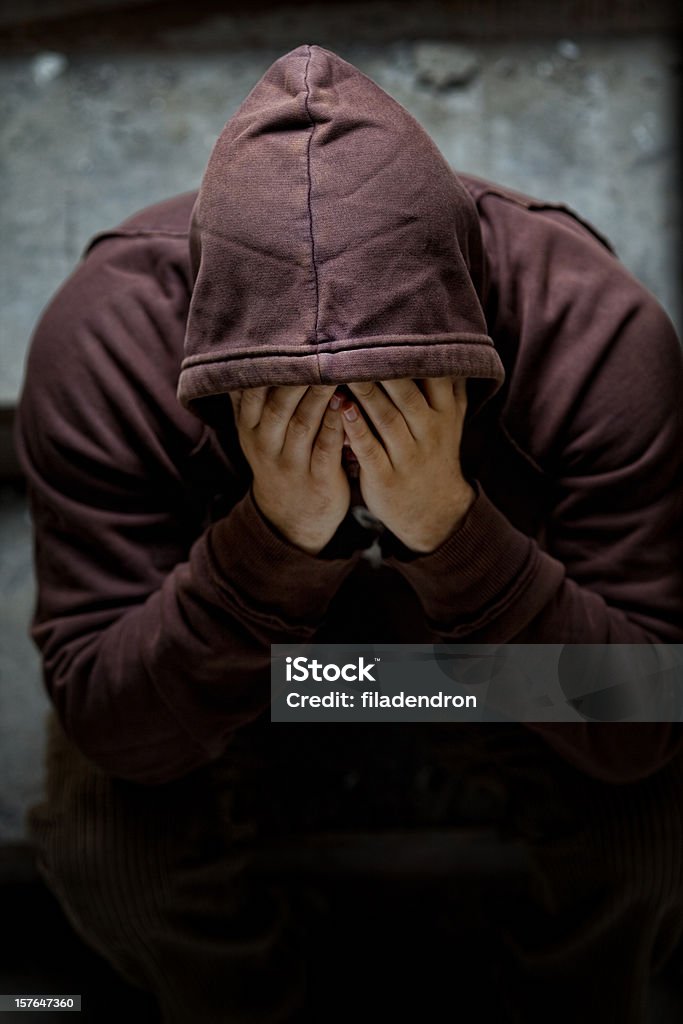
(207, 379)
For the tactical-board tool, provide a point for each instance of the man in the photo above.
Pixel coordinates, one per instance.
(371, 354)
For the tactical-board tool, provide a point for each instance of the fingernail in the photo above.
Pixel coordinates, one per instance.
(335, 402)
(350, 413)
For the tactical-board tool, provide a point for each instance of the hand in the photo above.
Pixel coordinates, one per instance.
(292, 438)
(411, 479)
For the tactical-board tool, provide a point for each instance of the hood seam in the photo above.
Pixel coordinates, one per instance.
(310, 187)
(361, 344)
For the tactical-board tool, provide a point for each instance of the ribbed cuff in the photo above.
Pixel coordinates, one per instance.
(486, 578)
(253, 562)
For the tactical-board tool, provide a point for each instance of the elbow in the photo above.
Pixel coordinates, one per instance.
(125, 740)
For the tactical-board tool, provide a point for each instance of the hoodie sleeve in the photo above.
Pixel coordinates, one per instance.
(594, 400)
(155, 633)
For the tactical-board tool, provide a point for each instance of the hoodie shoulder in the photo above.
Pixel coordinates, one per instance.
(479, 188)
(583, 342)
(104, 358)
(169, 218)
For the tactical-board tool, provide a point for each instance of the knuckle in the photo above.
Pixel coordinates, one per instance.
(258, 449)
(299, 427)
(388, 417)
(414, 398)
(328, 430)
(288, 465)
(323, 453)
(275, 414)
(371, 450)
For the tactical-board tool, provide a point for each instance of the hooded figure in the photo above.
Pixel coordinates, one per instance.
(329, 244)
(368, 263)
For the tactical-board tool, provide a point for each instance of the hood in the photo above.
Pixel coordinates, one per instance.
(331, 242)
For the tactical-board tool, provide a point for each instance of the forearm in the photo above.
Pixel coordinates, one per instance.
(490, 583)
(159, 690)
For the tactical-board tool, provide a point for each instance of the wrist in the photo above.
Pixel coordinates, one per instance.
(310, 541)
(426, 540)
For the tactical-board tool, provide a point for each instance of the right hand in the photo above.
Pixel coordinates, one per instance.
(292, 438)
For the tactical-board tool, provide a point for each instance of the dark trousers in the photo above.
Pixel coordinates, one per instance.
(565, 894)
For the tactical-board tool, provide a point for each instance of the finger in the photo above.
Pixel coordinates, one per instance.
(387, 419)
(364, 445)
(250, 406)
(460, 389)
(277, 412)
(441, 393)
(409, 400)
(235, 399)
(460, 396)
(305, 421)
(329, 442)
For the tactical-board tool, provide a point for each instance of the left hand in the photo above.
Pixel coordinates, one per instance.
(411, 480)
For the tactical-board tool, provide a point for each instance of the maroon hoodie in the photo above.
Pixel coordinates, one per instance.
(331, 242)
